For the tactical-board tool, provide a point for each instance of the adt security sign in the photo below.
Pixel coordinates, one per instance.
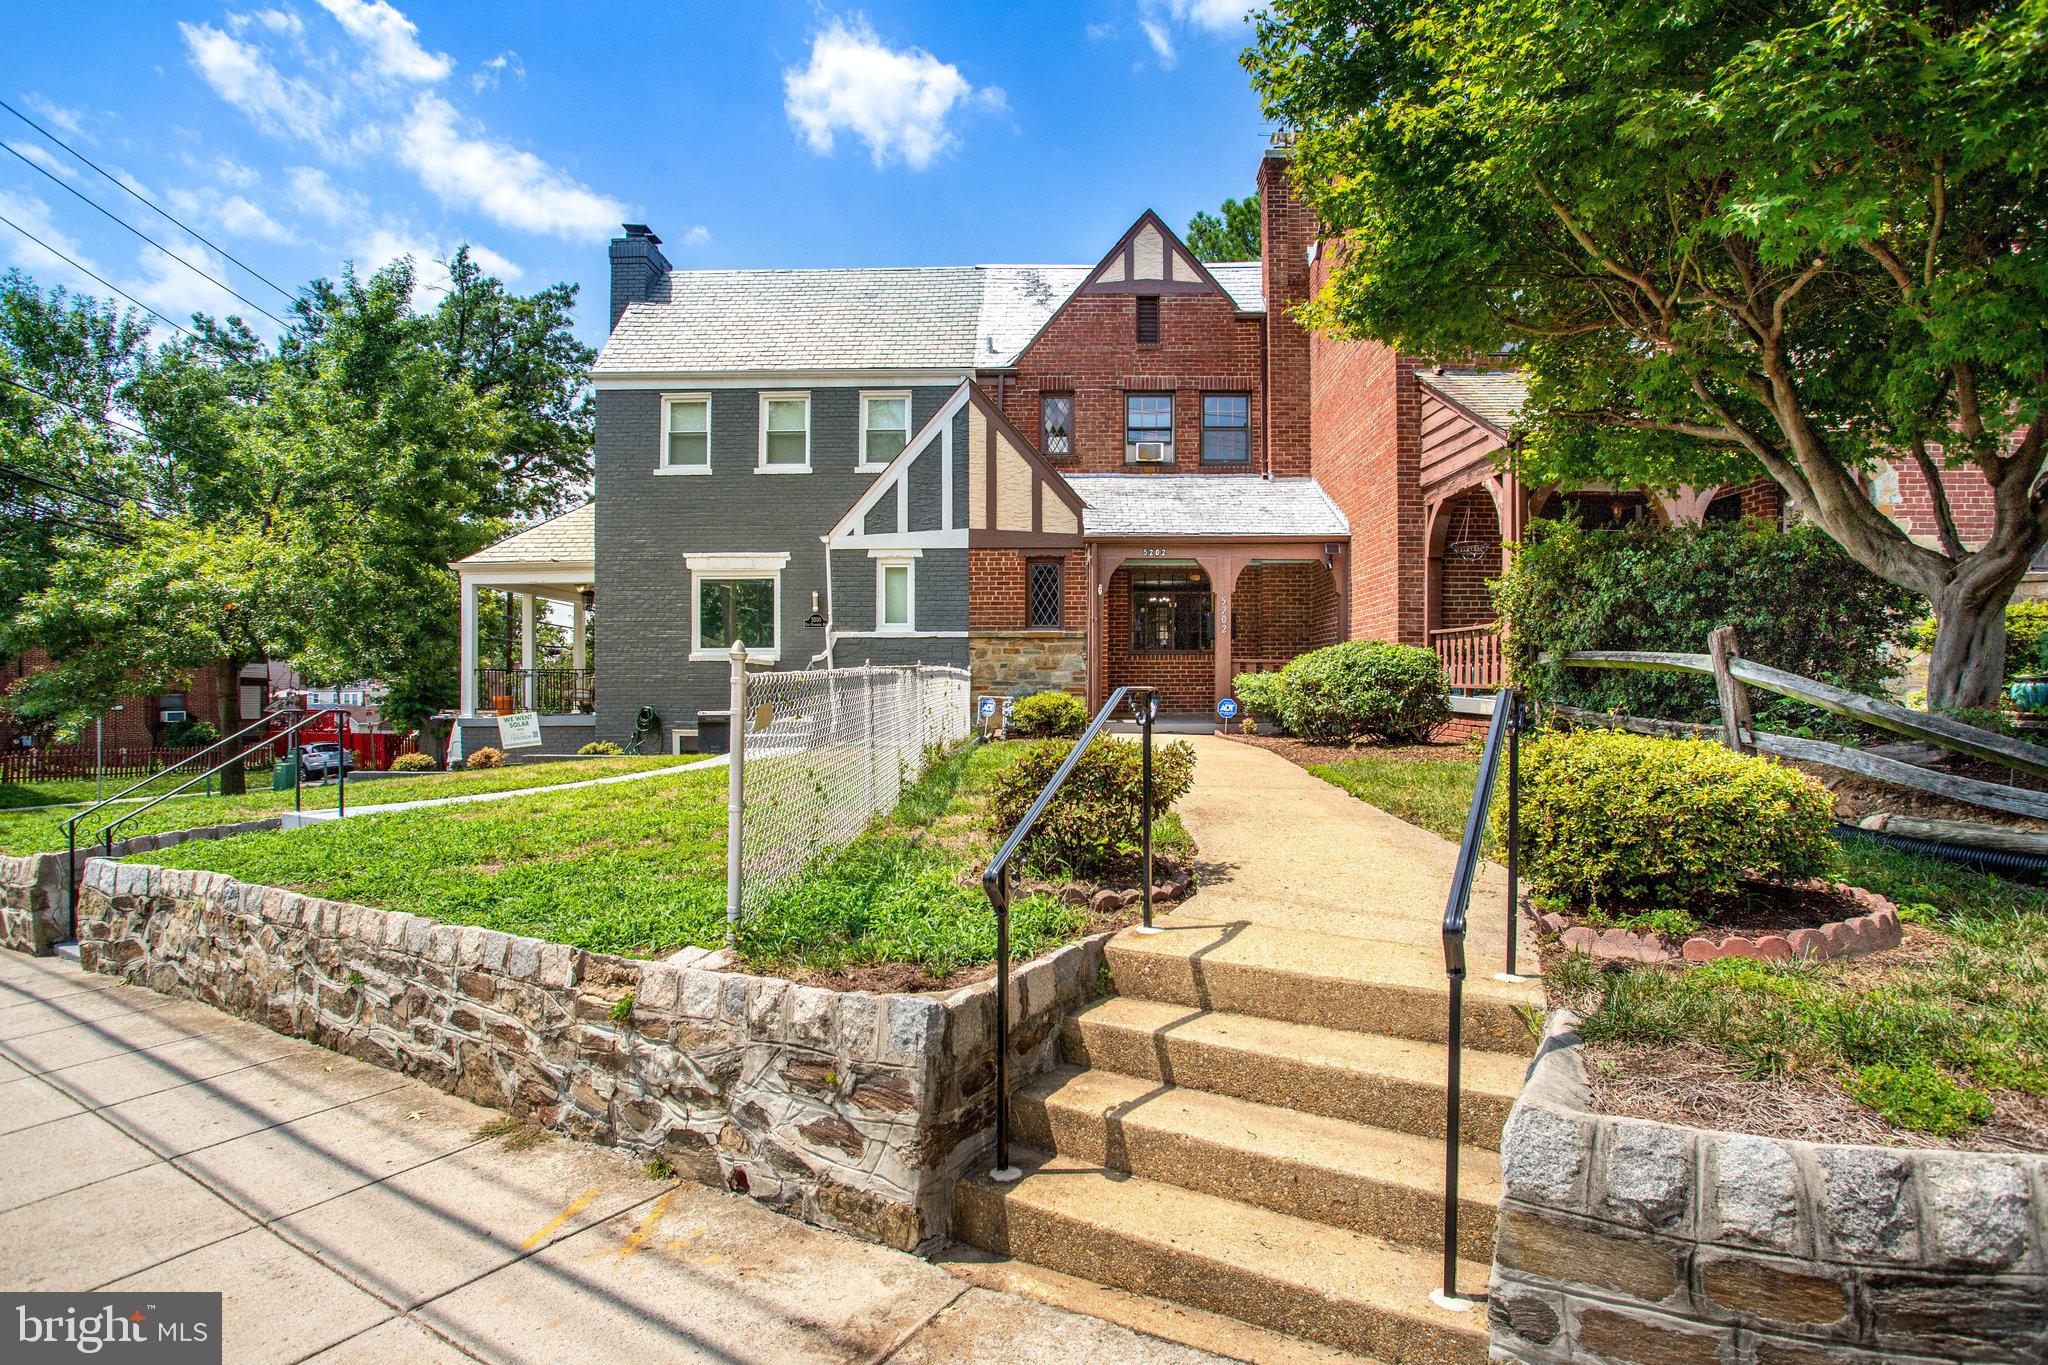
(987, 707)
(1227, 708)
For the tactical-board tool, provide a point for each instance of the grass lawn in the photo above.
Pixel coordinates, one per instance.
(80, 790)
(1943, 1037)
(639, 869)
(34, 831)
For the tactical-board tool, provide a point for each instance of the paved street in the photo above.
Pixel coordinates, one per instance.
(349, 1214)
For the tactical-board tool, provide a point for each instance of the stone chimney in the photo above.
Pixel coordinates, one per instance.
(1287, 232)
(639, 270)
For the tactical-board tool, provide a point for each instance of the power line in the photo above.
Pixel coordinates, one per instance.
(89, 414)
(83, 198)
(101, 278)
(139, 195)
(44, 514)
(13, 472)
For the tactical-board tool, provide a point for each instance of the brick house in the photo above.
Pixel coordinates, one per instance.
(1057, 476)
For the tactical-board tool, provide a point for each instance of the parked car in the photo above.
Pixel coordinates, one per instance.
(325, 760)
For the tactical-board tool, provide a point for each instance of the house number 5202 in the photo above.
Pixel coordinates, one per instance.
(1152, 554)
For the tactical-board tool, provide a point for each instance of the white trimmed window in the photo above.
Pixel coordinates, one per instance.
(685, 434)
(884, 427)
(895, 591)
(785, 434)
(736, 597)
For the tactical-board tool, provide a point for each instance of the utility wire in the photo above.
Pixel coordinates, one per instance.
(14, 472)
(90, 415)
(83, 198)
(44, 514)
(101, 278)
(145, 199)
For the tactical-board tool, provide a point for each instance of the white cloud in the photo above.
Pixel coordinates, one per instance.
(897, 101)
(34, 217)
(1157, 34)
(229, 171)
(67, 119)
(515, 187)
(389, 240)
(697, 236)
(1159, 18)
(231, 213)
(276, 20)
(391, 39)
(505, 64)
(315, 193)
(48, 162)
(495, 264)
(244, 77)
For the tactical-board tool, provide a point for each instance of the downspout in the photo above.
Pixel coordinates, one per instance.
(826, 652)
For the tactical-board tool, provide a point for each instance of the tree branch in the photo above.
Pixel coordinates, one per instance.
(1592, 248)
(1944, 513)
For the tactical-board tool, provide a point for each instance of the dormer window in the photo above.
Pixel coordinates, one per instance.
(1148, 319)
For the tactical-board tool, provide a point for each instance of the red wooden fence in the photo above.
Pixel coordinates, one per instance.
(76, 760)
(1471, 656)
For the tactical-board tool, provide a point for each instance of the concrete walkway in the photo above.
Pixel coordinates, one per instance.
(349, 1214)
(1281, 848)
(295, 819)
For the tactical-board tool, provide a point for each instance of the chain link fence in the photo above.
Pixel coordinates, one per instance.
(819, 754)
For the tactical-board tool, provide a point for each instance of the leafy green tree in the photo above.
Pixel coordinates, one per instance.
(1232, 236)
(1786, 238)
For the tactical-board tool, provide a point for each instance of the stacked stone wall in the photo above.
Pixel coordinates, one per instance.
(1623, 1239)
(851, 1110)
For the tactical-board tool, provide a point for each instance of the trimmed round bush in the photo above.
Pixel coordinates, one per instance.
(1093, 826)
(1364, 689)
(600, 746)
(1048, 715)
(485, 757)
(1258, 694)
(414, 763)
(1621, 822)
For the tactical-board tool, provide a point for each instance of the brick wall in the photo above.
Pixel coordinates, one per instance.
(1905, 496)
(997, 587)
(1279, 611)
(1463, 597)
(1286, 228)
(1186, 679)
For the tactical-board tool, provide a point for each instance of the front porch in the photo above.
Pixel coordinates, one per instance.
(544, 572)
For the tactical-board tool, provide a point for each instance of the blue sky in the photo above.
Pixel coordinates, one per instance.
(301, 133)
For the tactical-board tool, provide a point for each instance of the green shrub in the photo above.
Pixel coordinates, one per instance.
(2026, 637)
(1364, 688)
(1258, 694)
(414, 763)
(1919, 1096)
(1048, 715)
(600, 746)
(1093, 826)
(1795, 598)
(1620, 822)
(485, 757)
(188, 734)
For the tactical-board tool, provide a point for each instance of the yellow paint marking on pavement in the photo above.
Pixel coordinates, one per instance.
(576, 1206)
(638, 1237)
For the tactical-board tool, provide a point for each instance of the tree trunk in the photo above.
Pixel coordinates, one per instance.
(1967, 668)
(227, 700)
(433, 741)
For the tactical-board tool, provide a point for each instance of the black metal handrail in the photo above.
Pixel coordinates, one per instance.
(1003, 870)
(1503, 732)
(105, 834)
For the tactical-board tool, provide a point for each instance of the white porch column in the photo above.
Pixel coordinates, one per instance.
(576, 635)
(526, 651)
(468, 653)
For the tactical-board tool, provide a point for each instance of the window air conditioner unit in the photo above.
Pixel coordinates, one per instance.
(172, 717)
(1151, 452)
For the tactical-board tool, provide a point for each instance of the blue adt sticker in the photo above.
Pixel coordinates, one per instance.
(1227, 708)
(988, 706)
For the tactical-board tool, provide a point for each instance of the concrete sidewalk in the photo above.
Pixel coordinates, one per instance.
(349, 1214)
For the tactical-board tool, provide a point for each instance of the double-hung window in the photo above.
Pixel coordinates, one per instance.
(1226, 428)
(895, 591)
(884, 427)
(685, 434)
(1148, 428)
(735, 597)
(1056, 425)
(785, 433)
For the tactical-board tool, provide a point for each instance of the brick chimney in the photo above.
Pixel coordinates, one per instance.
(639, 270)
(1287, 229)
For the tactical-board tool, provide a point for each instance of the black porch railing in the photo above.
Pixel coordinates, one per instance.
(549, 691)
(1503, 733)
(1004, 871)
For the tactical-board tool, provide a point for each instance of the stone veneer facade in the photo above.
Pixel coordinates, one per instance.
(1626, 1239)
(850, 1110)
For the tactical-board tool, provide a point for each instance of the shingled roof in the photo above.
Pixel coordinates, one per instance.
(570, 538)
(919, 318)
(1494, 397)
(1206, 505)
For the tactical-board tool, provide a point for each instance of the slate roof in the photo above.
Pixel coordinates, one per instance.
(1495, 397)
(1205, 505)
(570, 538)
(922, 317)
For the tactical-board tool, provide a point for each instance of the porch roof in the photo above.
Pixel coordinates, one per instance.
(569, 540)
(1172, 505)
(1493, 398)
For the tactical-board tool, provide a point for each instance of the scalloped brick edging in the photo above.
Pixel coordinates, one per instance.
(1874, 931)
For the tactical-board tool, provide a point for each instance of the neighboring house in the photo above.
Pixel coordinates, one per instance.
(147, 720)
(1075, 477)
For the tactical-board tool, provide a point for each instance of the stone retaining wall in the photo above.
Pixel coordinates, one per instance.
(850, 1110)
(35, 901)
(1628, 1240)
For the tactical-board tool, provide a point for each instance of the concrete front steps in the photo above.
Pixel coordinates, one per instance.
(1253, 1126)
